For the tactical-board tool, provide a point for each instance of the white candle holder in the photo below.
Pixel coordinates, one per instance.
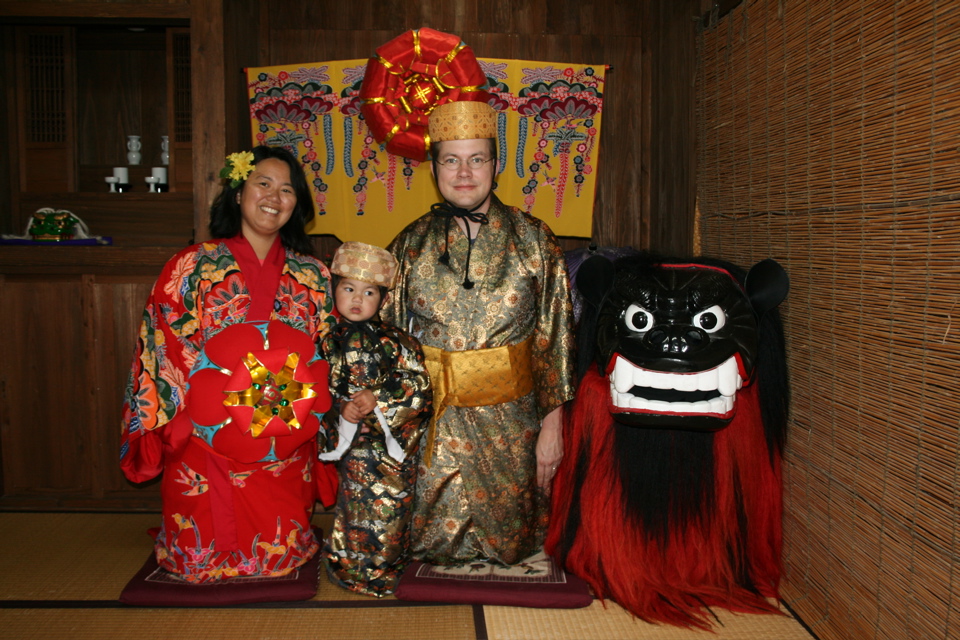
(112, 181)
(152, 181)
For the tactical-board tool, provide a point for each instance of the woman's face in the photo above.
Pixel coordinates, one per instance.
(266, 200)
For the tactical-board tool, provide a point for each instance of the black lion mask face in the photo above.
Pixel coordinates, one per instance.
(677, 340)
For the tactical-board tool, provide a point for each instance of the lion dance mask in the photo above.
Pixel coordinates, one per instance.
(669, 497)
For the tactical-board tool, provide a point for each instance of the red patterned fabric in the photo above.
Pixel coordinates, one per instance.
(155, 587)
(409, 76)
(238, 438)
(235, 502)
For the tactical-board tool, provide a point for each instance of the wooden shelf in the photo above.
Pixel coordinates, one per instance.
(131, 219)
(79, 260)
(84, 89)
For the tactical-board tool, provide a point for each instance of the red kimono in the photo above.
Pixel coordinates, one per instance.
(224, 399)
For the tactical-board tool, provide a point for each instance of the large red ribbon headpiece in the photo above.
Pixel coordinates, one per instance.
(410, 76)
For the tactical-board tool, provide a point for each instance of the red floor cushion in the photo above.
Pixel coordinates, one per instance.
(536, 582)
(156, 587)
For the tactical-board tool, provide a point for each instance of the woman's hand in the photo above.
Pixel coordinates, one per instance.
(549, 447)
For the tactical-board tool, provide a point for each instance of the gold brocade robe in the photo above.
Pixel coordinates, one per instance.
(368, 546)
(478, 498)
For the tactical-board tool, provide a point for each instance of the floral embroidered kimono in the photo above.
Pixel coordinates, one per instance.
(368, 547)
(503, 352)
(224, 399)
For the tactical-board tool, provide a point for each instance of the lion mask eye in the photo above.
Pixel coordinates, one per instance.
(638, 319)
(710, 320)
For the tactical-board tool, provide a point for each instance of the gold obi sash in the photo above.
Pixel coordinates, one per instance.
(476, 378)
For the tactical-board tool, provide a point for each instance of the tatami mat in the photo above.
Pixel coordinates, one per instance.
(615, 623)
(71, 556)
(420, 623)
(63, 572)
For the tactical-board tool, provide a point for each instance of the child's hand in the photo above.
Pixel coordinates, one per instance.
(360, 405)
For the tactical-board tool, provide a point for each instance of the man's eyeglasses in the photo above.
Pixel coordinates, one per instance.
(453, 163)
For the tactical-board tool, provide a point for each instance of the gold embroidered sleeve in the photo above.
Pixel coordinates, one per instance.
(554, 343)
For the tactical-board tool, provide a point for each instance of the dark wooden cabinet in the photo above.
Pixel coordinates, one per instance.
(45, 108)
(71, 313)
(82, 91)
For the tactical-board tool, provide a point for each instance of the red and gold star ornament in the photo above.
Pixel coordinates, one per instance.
(258, 391)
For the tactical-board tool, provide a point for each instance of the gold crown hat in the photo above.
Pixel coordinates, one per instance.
(365, 262)
(462, 120)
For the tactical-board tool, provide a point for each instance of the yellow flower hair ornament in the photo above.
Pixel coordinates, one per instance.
(238, 167)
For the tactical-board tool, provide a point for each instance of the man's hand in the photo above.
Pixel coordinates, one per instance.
(549, 447)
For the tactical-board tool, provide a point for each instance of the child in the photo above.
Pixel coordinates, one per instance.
(378, 379)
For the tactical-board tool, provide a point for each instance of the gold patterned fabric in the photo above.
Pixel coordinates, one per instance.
(367, 548)
(365, 262)
(464, 120)
(479, 498)
(476, 378)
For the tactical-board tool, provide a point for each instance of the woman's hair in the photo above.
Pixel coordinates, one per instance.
(225, 216)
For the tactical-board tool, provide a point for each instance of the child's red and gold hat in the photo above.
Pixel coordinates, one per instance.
(365, 262)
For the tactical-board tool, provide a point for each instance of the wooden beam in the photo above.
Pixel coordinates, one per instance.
(95, 10)
(209, 100)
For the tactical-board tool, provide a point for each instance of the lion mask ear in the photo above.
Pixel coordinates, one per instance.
(595, 279)
(767, 285)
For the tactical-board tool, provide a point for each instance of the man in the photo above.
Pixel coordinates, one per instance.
(483, 287)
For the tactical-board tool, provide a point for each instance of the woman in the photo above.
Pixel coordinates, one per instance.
(227, 388)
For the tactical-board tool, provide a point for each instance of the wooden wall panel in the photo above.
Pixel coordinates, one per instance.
(208, 67)
(44, 424)
(9, 163)
(115, 308)
(241, 32)
(180, 173)
(46, 81)
(46, 168)
(145, 9)
(670, 56)
(527, 17)
(62, 384)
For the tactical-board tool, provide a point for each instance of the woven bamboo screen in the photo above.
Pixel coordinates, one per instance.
(829, 139)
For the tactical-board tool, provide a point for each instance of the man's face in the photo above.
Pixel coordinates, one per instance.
(462, 186)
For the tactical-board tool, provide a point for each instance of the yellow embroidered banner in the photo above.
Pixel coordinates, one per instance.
(548, 140)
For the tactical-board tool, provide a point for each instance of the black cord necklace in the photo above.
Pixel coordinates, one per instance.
(449, 211)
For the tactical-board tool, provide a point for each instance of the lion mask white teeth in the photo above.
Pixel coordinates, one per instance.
(710, 392)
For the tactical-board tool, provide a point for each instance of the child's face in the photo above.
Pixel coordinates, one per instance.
(357, 300)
